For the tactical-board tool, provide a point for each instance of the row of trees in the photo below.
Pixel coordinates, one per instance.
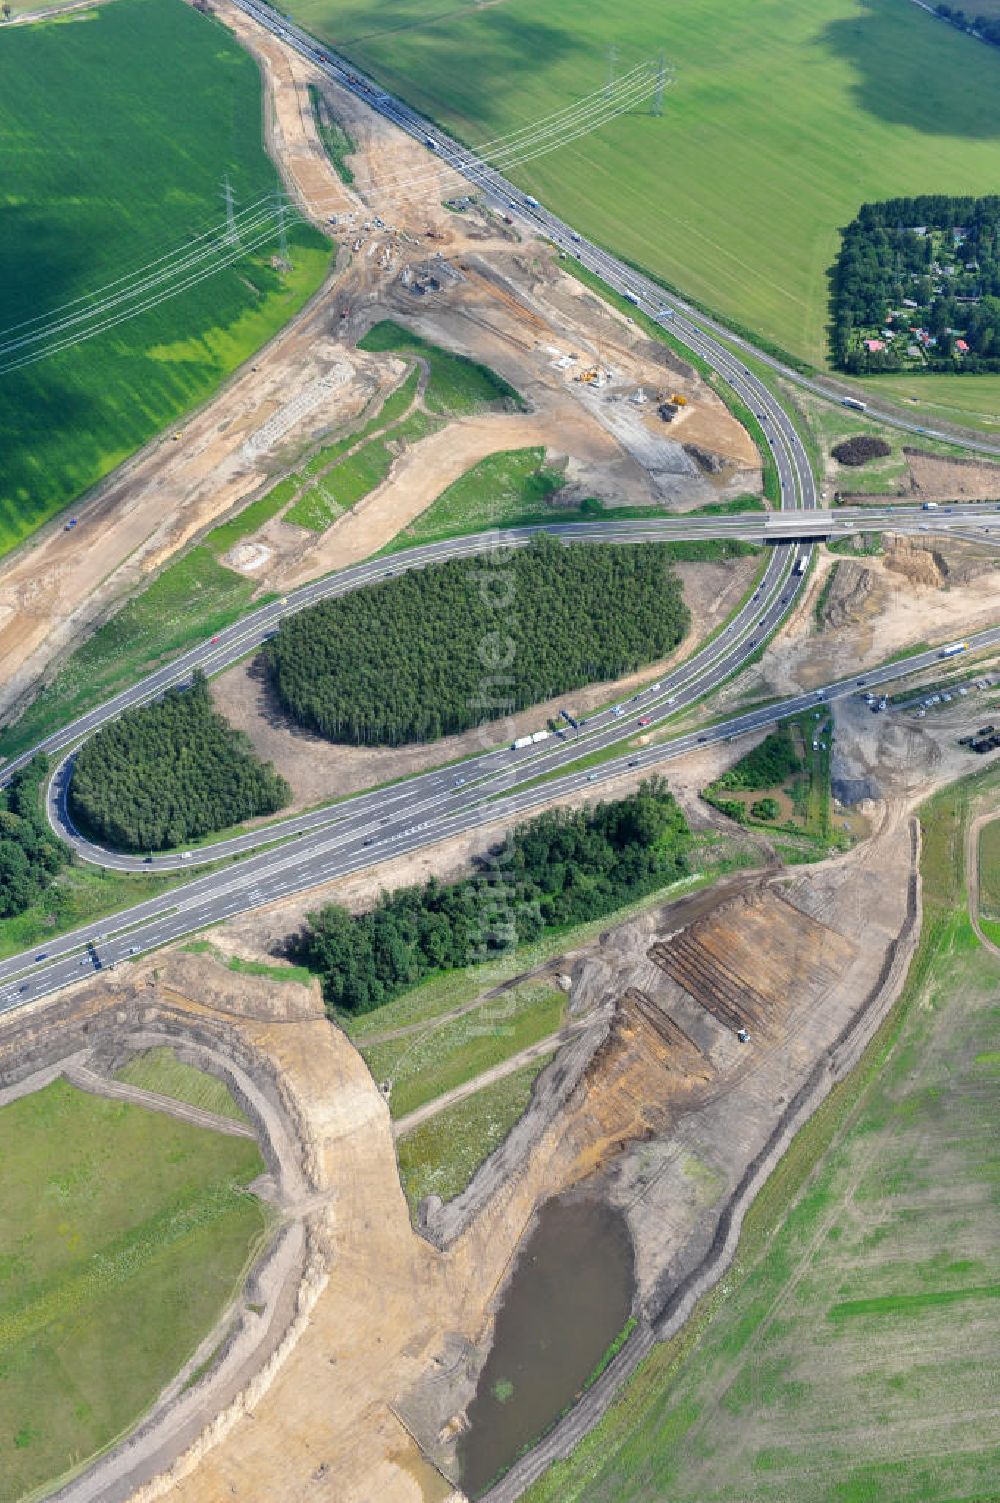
(987, 27)
(776, 757)
(883, 262)
(563, 867)
(169, 772)
(30, 854)
(438, 650)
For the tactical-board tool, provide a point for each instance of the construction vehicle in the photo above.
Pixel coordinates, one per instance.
(678, 400)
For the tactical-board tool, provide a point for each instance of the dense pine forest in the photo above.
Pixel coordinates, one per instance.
(438, 650)
(562, 868)
(169, 772)
(30, 854)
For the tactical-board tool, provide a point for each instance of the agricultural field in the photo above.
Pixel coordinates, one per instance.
(737, 193)
(124, 1235)
(847, 1355)
(136, 178)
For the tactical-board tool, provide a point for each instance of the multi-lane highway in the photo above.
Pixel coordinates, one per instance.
(376, 826)
(746, 631)
(293, 855)
(686, 322)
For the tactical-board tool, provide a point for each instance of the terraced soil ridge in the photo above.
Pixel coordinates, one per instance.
(665, 1316)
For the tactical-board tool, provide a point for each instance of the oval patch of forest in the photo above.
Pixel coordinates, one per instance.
(439, 650)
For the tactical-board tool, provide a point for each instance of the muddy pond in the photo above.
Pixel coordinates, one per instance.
(569, 1296)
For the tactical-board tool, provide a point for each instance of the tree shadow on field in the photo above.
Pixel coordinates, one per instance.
(494, 60)
(41, 271)
(911, 69)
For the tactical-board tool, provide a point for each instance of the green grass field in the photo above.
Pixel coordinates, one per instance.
(161, 1071)
(351, 479)
(456, 385)
(784, 117)
(120, 158)
(507, 489)
(847, 1355)
(989, 870)
(124, 1235)
(426, 1064)
(441, 1155)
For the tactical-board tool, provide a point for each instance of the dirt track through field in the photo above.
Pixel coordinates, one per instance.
(539, 1050)
(972, 834)
(85, 1079)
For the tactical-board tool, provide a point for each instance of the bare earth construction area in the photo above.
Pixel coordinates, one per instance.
(609, 1141)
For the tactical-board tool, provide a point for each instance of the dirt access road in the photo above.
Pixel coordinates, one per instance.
(972, 833)
(311, 380)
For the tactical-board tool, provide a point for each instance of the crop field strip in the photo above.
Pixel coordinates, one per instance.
(125, 209)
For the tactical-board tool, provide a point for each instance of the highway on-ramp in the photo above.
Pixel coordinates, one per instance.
(293, 855)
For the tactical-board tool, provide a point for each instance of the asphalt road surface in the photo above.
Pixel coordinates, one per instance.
(295, 854)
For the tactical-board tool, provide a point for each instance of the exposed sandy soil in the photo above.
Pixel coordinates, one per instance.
(317, 769)
(935, 477)
(918, 591)
(668, 1077)
(512, 309)
(375, 1348)
(420, 475)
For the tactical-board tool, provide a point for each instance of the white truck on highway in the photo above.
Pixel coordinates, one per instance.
(953, 650)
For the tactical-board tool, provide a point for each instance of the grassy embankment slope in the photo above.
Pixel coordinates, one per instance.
(198, 594)
(124, 1234)
(456, 1028)
(847, 1355)
(785, 116)
(989, 880)
(119, 157)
